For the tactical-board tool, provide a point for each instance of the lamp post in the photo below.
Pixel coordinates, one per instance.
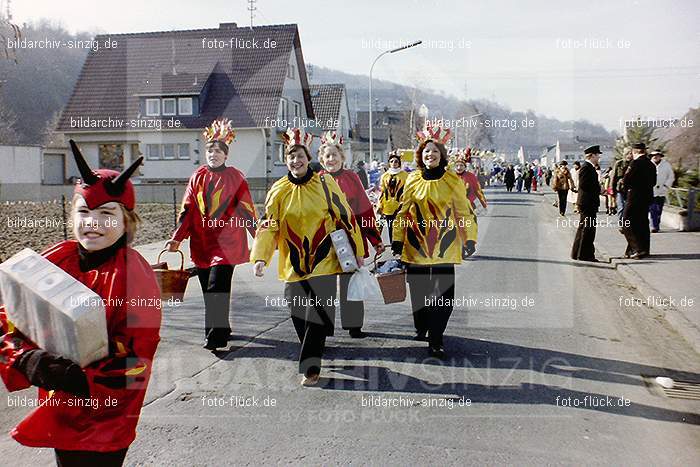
(413, 44)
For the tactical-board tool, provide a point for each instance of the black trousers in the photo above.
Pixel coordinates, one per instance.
(312, 305)
(90, 458)
(352, 314)
(637, 233)
(216, 288)
(583, 248)
(432, 291)
(563, 194)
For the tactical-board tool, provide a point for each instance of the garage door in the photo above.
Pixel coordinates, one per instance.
(53, 169)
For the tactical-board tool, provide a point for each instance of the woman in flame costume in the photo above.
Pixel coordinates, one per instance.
(332, 158)
(98, 429)
(217, 211)
(301, 210)
(459, 163)
(434, 222)
(392, 184)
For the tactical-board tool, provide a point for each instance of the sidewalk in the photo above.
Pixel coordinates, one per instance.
(668, 279)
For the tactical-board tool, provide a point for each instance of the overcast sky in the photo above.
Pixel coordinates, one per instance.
(600, 60)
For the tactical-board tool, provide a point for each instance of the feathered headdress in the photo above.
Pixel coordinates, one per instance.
(332, 137)
(297, 137)
(434, 133)
(220, 130)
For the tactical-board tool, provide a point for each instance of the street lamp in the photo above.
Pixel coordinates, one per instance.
(413, 44)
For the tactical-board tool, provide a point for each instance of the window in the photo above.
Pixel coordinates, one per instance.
(290, 71)
(297, 109)
(183, 151)
(282, 112)
(152, 107)
(168, 151)
(169, 107)
(153, 151)
(278, 156)
(111, 156)
(185, 105)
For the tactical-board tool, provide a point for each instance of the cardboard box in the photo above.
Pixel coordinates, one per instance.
(54, 310)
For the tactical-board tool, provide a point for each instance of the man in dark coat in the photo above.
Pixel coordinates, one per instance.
(639, 181)
(618, 171)
(362, 173)
(588, 201)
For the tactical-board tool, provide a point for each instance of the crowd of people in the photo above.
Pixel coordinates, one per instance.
(634, 188)
(428, 214)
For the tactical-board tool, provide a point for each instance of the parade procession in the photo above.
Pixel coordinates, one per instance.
(255, 243)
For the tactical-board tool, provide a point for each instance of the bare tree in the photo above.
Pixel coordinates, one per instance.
(8, 120)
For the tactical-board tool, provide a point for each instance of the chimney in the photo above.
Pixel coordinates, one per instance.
(228, 25)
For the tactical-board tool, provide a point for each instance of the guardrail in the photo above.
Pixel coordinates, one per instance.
(688, 200)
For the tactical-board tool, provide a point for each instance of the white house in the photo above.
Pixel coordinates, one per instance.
(153, 93)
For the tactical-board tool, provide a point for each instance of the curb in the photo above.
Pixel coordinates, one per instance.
(674, 317)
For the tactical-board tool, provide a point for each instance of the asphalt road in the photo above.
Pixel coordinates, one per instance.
(545, 366)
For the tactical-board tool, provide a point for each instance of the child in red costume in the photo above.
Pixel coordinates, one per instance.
(89, 415)
(217, 210)
(332, 159)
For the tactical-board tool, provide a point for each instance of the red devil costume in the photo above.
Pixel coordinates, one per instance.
(217, 210)
(102, 430)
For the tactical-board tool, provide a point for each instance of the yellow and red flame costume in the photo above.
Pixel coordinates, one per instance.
(217, 209)
(435, 220)
(392, 186)
(297, 221)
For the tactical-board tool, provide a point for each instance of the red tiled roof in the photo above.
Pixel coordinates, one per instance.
(244, 83)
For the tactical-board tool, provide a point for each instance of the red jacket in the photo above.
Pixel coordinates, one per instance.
(473, 187)
(216, 212)
(351, 185)
(128, 287)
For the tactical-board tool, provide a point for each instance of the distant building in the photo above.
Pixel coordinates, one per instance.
(330, 103)
(392, 129)
(153, 93)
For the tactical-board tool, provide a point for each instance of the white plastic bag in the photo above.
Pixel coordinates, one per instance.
(363, 286)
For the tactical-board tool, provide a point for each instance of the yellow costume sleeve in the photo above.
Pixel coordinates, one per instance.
(383, 188)
(265, 242)
(399, 228)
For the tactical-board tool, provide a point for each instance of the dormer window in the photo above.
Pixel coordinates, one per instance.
(184, 105)
(152, 107)
(169, 106)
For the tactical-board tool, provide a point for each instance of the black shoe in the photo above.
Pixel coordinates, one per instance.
(639, 255)
(212, 345)
(357, 333)
(421, 336)
(437, 352)
(654, 230)
(590, 260)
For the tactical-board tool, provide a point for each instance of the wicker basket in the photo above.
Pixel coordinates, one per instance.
(392, 285)
(172, 282)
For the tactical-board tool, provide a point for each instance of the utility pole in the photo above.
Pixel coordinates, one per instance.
(252, 9)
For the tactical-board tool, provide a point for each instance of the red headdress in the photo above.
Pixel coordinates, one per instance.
(297, 137)
(220, 130)
(103, 185)
(434, 133)
(332, 137)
